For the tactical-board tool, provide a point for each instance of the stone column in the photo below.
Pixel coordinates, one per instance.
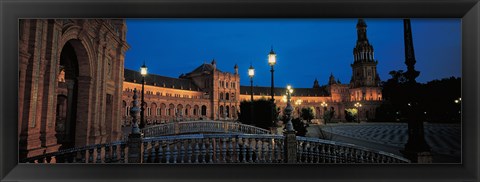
(49, 104)
(84, 111)
(135, 139)
(23, 57)
(29, 139)
(290, 137)
(290, 147)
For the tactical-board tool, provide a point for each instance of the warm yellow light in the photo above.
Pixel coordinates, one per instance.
(324, 104)
(143, 70)
(251, 72)
(289, 87)
(272, 59)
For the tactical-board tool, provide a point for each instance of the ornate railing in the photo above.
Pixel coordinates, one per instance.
(313, 150)
(114, 152)
(237, 143)
(214, 148)
(188, 127)
(252, 148)
(220, 148)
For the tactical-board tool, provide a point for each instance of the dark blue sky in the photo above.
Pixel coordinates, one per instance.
(306, 48)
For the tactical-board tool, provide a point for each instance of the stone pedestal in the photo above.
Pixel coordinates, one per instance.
(290, 147)
(134, 144)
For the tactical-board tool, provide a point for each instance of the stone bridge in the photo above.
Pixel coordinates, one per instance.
(191, 127)
(215, 142)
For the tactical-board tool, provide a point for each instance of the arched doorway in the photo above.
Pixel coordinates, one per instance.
(75, 84)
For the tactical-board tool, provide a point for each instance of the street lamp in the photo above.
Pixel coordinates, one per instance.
(288, 110)
(251, 73)
(272, 59)
(143, 72)
(358, 106)
(324, 105)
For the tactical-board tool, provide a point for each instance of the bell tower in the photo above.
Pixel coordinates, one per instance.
(364, 67)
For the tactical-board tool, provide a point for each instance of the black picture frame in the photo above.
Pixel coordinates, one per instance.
(468, 10)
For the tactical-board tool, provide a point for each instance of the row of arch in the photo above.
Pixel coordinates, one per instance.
(172, 110)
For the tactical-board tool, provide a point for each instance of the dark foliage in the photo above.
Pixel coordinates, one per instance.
(307, 114)
(299, 126)
(262, 110)
(350, 117)
(434, 100)
(328, 115)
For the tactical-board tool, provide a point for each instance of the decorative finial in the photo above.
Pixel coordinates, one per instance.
(271, 50)
(134, 112)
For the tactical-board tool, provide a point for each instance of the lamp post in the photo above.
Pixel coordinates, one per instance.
(143, 72)
(288, 110)
(324, 105)
(272, 59)
(416, 149)
(358, 106)
(251, 73)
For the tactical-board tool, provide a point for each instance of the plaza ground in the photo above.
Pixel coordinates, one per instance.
(444, 139)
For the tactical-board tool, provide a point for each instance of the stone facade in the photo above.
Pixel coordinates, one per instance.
(70, 78)
(221, 93)
(205, 93)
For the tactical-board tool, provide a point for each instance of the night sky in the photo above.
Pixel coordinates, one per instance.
(306, 48)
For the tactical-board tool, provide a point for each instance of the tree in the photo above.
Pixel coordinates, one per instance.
(434, 99)
(351, 114)
(262, 113)
(328, 115)
(300, 127)
(307, 114)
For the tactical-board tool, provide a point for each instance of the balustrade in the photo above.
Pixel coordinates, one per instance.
(218, 148)
(212, 148)
(312, 150)
(102, 153)
(189, 127)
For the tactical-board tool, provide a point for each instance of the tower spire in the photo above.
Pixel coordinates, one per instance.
(410, 61)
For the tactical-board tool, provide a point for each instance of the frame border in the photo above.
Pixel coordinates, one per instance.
(11, 11)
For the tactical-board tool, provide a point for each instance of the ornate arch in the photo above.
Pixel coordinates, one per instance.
(82, 46)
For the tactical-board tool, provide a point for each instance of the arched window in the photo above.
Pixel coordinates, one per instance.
(221, 111)
(227, 96)
(204, 110)
(227, 111)
(221, 95)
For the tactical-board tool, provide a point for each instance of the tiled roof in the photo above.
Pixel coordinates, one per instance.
(322, 91)
(204, 68)
(161, 81)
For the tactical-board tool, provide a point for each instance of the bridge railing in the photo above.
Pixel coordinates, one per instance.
(187, 127)
(219, 148)
(213, 148)
(313, 150)
(114, 152)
